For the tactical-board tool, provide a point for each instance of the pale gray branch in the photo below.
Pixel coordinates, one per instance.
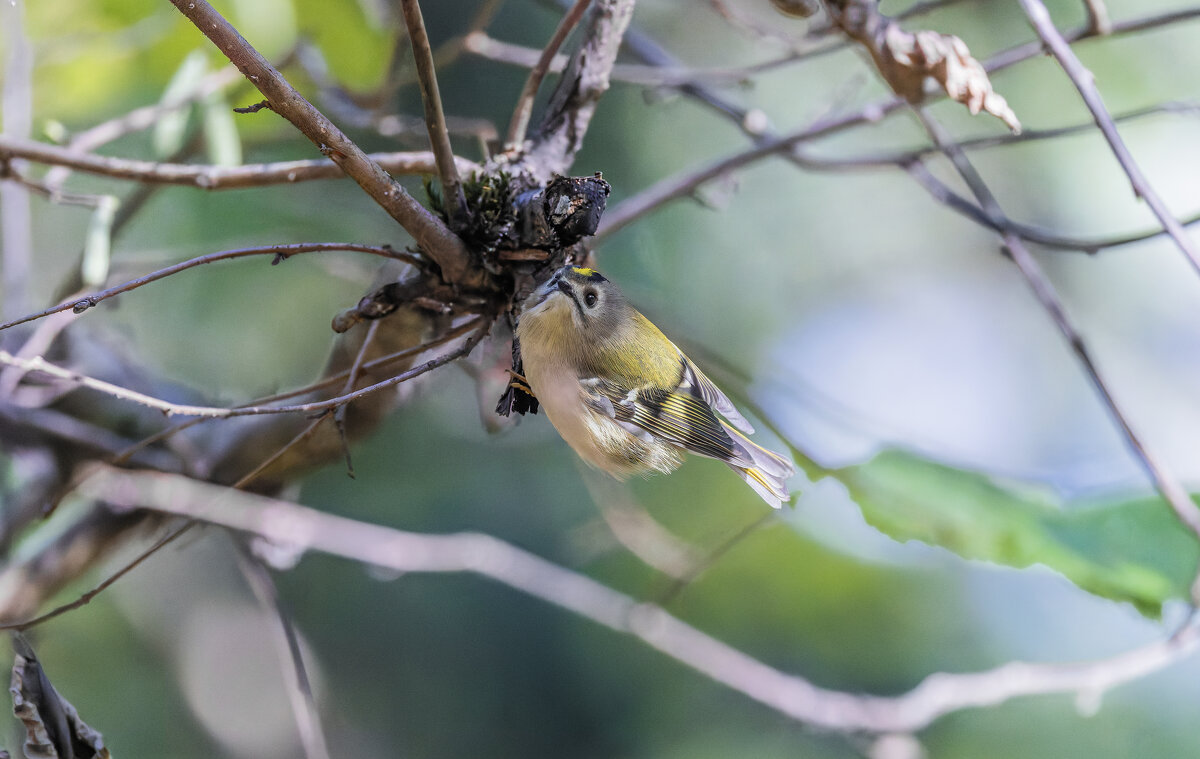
(301, 529)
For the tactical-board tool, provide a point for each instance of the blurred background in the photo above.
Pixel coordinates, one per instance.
(859, 313)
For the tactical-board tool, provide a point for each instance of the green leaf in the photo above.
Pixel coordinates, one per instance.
(170, 130)
(1131, 550)
(97, 247)
(221, 139)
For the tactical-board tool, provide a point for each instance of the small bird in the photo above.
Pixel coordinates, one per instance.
(622, 395)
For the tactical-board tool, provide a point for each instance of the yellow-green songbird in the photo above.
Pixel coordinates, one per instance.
(622, 395)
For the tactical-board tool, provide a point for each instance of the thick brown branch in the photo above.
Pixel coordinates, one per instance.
(434, 238)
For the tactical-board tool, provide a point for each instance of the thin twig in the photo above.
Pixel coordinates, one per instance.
(1043, 289)
(710, 558)
(767, 143)
(339, 414)
(492, 49)
(1085, 82)
(213, 177)
(435, 118)
(683, 184)
(1098, 21)
(900, 158)
(138, 119)
(302, 528)
(87, 597)
(299, 686)
(38, 364)
(378, 363)
(434, 237)
(635, 529)
(524, 109)
(571, 105)
(382, 361)
(281, 252)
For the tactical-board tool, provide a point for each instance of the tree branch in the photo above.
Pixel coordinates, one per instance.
(1168, 486)
(300, 528)
(213, 177)
(435, 239)
(435, 118)
(280, 252)
(1085, 83)
(560, 135)
(524, 109)
(40, 365)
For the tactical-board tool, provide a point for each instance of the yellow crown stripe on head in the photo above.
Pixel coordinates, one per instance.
(585, 273)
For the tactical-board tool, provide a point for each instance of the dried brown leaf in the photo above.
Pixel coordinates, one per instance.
(906, 58)
(53, 729)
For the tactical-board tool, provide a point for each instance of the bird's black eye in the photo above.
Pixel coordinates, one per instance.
(590, 298)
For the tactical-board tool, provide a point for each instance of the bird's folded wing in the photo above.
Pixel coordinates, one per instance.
(694, 382)
(680, 418)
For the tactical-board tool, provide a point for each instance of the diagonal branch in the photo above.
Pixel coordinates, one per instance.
(302, 528)
(435, 118)
(287, 643)
(1164, 481)
(434, 237)
(570, 108)
(1084, 81)
(524, 109)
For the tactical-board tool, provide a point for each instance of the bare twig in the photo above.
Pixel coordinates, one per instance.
(351, 378)
(212, 177)
(280, 252)
(524, 109)
(492, 49)
(900, 158)
(788, 146)
(87, 597)
(295, 673)
(38, 364)
(553, 146)
(1085, 83)
(1164, 481)
(302, 529)
(1098, 21)
(684, 183)
(435, 118)
(434, 238)
(709, 558)
(335, 379)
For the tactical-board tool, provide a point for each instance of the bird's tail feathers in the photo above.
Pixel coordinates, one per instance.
(765, 471)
